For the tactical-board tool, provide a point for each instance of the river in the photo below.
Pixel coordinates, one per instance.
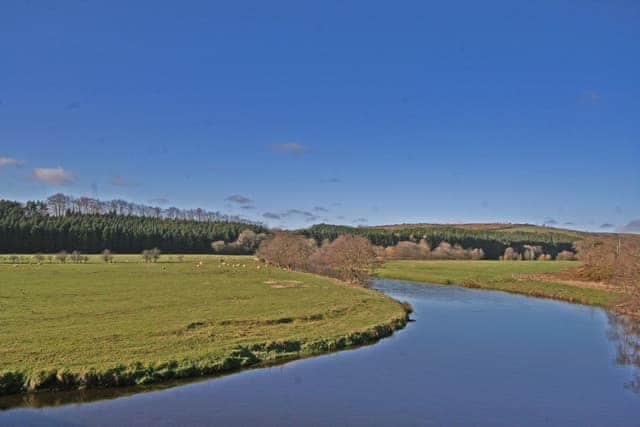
(471, 357)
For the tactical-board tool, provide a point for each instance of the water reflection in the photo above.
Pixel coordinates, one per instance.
(624, 331)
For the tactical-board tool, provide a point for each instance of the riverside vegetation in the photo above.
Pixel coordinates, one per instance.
(124, 322)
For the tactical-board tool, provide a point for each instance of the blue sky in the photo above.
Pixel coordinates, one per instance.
(351, 111)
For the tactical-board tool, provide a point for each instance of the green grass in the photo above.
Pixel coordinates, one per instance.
(96, 324)
(503, 276)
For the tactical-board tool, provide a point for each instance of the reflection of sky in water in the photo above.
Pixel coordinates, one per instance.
(472, 357)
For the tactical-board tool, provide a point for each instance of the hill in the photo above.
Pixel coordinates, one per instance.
(492, 238)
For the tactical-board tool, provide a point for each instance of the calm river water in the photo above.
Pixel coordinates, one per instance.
(470, 358)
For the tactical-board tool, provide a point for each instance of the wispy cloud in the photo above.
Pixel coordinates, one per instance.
(247, 207)
(289, 147)
(360, 221)
(10, 161)
(54, 176)
(292, 213)
(607, 225)
(271, 215)
(237, 198)
(550, 221)
(320, 209)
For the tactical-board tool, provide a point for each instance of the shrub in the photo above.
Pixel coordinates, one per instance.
(477, 254)
(566, 256)
(61, 256)
(106, 255)
(287, 250)
(532, 253)
(348, 258)
(218, 246)
(76, 257)
(408, 250)
(511, 254)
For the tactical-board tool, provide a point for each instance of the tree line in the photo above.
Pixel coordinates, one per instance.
(493, 243)
(61, 204)
(46, 227)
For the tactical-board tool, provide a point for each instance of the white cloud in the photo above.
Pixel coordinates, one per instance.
(10, 161)
(55, 176)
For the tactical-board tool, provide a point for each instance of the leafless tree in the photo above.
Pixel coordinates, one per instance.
(76, 257)
(286, 250)
(350, 258)
(155, 254)
(511, 254)
(61, 256)
(566, 256)
(106, 255)
(218, 246)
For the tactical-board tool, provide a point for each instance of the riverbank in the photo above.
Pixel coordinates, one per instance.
(95, 325)
(532, 278)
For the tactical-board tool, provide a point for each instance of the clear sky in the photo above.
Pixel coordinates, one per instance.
(337, 111)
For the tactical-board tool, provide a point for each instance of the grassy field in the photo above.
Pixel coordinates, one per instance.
(504, 276)
(96, 324)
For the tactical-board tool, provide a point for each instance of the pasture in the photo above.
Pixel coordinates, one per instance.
(68, 325)
(522, 277)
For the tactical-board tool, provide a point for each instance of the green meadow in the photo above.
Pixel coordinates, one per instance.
(508, 276)
(99, 324)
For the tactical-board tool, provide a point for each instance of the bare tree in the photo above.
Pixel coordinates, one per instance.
(566, 256)
(106, 255)
(348, 257)
(61, 256)
(286, 250)
(218, 246)
(76, 257)
(155, 254)
(57, 204)
(511, 254)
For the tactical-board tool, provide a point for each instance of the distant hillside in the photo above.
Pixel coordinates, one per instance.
(512, 228)
(493, 239)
